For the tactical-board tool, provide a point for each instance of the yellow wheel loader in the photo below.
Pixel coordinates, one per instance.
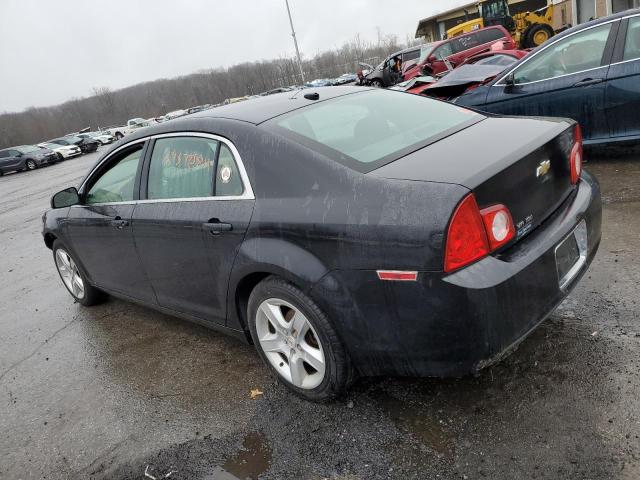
(529, 29)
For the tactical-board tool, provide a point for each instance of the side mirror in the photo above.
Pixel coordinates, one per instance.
(65, 198)
(509, 80)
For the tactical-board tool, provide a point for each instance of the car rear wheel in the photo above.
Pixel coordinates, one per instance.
(297, 341)
(73, 278)
(376, 83)
(31, 164)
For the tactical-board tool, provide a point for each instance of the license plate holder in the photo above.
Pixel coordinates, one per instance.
(571, 254)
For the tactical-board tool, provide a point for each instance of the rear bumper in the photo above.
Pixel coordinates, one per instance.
(450, 325)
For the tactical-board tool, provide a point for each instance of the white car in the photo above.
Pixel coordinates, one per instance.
(103, 138)
(64, 151)
(175, 114)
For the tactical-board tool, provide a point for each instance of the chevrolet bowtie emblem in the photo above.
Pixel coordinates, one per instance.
(543, 168)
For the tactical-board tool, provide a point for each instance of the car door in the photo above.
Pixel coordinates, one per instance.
(622, 95)
(11, 159)
(196, 207)
(564, 79)
(99, 228)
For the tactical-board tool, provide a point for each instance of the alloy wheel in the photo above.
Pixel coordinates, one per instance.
(31, 165)
(290, 343)
(69, 273)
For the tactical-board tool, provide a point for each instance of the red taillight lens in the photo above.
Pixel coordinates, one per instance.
(498, 224)
(466, 238)
(575, 159)
(474, 233)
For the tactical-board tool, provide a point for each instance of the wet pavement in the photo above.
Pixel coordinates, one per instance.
(117, 390)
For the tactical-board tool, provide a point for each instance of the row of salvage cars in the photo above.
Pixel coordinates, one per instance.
(590, 73)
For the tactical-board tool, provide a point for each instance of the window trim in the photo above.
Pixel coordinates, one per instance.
(98, 170)
(246, 195)
(538, 52)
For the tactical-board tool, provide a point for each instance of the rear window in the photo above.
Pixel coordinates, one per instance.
(369, 129)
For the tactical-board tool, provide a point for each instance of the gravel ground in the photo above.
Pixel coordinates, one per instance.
(112, 391)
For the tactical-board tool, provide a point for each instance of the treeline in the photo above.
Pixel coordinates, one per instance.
(151, 99)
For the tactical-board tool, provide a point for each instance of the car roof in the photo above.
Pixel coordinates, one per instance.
(258, 110)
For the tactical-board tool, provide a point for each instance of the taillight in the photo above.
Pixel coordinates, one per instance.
(474, 233)
(575, 159)
(466, 239)
(498, 224)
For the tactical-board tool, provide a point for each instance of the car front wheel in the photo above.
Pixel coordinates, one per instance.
(31, 164)
(297, 341)
(73, 278)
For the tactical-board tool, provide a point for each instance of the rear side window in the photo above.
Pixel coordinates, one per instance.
(369, 129)
(490, 35)
(191, 167)
(632, 41)
(182, 167)
(4, 154)
(117, 184)
(573, 54)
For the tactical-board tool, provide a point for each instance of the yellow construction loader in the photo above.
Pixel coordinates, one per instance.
(529, 29)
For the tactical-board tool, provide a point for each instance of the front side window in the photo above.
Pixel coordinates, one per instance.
(443, 51)
(117, 184)
(579, 52)
(410, 55)
(367, 130)
(632, 42)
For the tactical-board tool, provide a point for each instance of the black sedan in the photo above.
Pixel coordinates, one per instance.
(590, 73)
(87, 145)
(344, 231)
(25, 157)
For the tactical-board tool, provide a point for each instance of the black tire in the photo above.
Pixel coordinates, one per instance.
(30, 164)
(376, 82)
(118, 136)
(537, 34)
(338, 369)
(91, 296)
(60, 157)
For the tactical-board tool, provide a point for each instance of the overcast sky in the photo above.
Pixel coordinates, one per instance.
(53, 50)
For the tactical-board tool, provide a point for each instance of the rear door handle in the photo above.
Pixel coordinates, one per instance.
(119, 223)
(588, 81)
(215, 226)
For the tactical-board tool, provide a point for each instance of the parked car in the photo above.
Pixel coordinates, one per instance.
(439, 57)
(100, 137)
(86, 145)
(25, 157)
(319, 82)
(345, 78)
(175, 114)
(277, 90)
(590, 73)
(132, 125)
(63, 151)
(472, 73)
(363, 279)
(379, 76)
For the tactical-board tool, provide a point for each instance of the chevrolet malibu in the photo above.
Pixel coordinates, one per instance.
(343, 231)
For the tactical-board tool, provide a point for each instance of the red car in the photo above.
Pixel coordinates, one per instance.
(438, 57)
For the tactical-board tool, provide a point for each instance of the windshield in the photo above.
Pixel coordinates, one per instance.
(27, 149)
(424, 52)
(504, 60)
(51, 145)
(369, 129)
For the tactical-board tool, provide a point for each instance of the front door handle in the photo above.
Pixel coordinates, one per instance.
(588, 81)
(215, 226)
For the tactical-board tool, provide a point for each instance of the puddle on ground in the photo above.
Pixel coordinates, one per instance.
(427, 429)
(249, 462)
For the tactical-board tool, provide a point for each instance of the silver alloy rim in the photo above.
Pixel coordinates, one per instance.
(31, 165)
(69, 273)
(290, 343)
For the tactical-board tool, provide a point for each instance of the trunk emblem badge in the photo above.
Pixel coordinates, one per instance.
(543, 168)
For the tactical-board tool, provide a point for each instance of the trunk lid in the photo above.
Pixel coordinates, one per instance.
(522, 163)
